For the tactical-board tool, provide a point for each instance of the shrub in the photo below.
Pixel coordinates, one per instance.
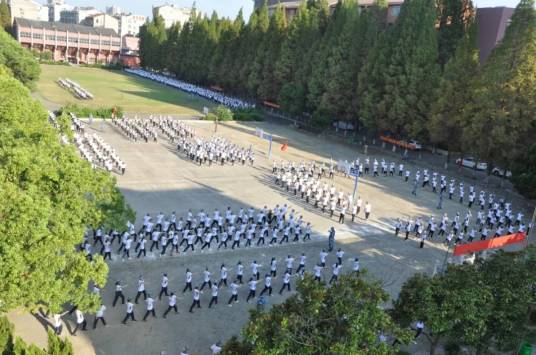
(97, 112)
(247, 115)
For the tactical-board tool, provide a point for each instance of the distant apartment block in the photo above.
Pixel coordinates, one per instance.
(69, 42)
(28, 9)
(102, 21)
(172, 14)
(129, 24)
(78, 14)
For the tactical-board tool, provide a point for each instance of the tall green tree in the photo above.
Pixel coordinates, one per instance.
(447, 122)
(152, 44)
(453, 19)
(346, 318)
(503, 105)
(19, 60)
(48, 197)
(5, 16)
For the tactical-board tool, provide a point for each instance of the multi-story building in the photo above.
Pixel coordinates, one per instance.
(78, 14)
(55, 7)
(172, 14)
(69, 42)
(130, 51)
(492, 23)
(113, 10)
(129, 24)
(103, 21)
(291, 6)
(28, 9)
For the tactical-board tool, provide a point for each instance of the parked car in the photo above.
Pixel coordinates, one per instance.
(470, 162)
(416, 145)
(501, 172)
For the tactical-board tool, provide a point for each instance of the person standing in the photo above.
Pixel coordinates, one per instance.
(340, 255)
(214, 299)
(267, 285)
(223, 276)
(234, 293)
(164, 286)
(239, 272)
(336, 271)
(150, 308)
(252, 288)
(206, 279)
(286, 283)
(118, 293)
(188, 285)
(368, 209)
(80, 321)
(172, 304)
(141, 290)
(99, 316)
(302, 263)
(130, 312)
(196, 302)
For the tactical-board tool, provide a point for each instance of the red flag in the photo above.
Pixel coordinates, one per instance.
(493, 243)
(284, 147)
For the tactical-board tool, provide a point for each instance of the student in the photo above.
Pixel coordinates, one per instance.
(267, 285)
(150, 308)
(286, 283)
(130, 312)
(141, 289)
(172, 304)
(80, 321)
(206, 279)
(252, 288)
(118, 293)
(223, 276)
(336, 270)
(214, 299)
(196, 302)
(302, 263)
(188, 281)
(164, 286)
(99, 316)
(340, 255)
(234, 293)
(239, 272)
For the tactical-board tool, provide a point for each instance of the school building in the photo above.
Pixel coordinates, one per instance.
(69, 42)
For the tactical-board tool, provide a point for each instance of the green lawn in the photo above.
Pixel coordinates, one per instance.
(117, 88)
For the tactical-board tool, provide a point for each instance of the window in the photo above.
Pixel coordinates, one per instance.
(116, 44)
(395, 10)
(73, 40)
(26, 34)
(61, 38)
(105, 43)
(95, 42)
(37, 36)
(84, 40)
(50, 37)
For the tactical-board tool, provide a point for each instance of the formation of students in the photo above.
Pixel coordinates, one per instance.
(215, 150)
(137, 129)
(169, 234)
(305, 181)
(172, 129)
(93, 149)
(75, 88)
(288, 269)
(494, 221)
(217, 97)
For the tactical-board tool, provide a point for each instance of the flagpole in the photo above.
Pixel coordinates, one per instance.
(270, 148)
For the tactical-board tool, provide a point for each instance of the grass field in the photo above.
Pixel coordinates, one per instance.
(116, 88)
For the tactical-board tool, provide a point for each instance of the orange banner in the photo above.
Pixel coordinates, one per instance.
(493, 243)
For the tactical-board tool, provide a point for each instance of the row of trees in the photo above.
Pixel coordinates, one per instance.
(48, 197)
(483, 306)
(419, 78)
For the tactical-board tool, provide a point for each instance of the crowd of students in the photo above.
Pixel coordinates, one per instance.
(75, 88)
(211, 95)
(215, 150)
(177, 235)
(137, 129)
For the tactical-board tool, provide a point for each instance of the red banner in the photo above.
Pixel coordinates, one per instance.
(492, 243)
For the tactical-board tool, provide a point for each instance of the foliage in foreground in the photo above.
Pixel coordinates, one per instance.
(20, 61)
(48, 196)
(9, 345)
(346, 318)
(485, 305)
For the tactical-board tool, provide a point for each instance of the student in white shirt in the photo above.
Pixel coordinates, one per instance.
(99, 316)
(216, 348)
(188, 281)
(141, 289)
(172, 304)
(223, 276)
(150, 307)
(164, 286)
(80, 321)
(214, 292)
(318, 272)
(286, 283)
(196, 296)
(267, 285)
(130, 312)
(252, 288)
(206, 279)
(234, 293)
(302, 263)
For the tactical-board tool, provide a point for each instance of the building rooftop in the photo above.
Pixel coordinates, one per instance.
(67, 27)
(492, 23)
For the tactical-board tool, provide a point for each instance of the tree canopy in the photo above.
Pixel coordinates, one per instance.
(19, 61)
(48, 197)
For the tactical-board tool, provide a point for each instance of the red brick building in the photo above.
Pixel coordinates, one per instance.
(69, 42)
